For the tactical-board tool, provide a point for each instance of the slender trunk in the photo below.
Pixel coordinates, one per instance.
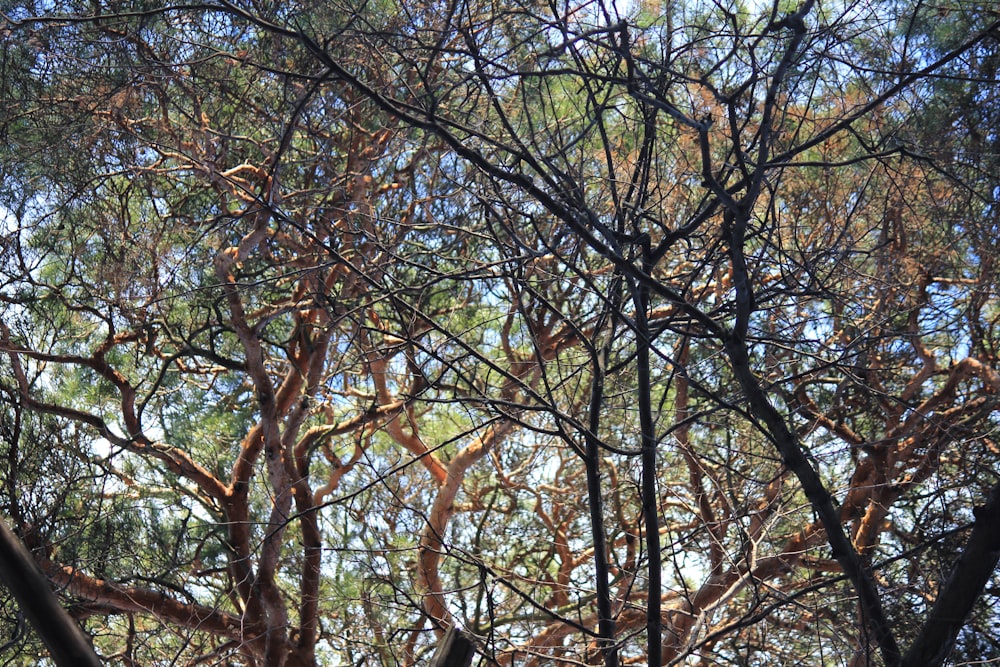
(606, 622)
(650, 514)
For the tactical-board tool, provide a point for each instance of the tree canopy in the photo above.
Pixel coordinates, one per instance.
(634, 333)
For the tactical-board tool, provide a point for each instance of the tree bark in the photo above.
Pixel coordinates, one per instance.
(965, 585)
(67, 644)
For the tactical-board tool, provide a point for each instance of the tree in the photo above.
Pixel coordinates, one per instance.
(652, 335)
